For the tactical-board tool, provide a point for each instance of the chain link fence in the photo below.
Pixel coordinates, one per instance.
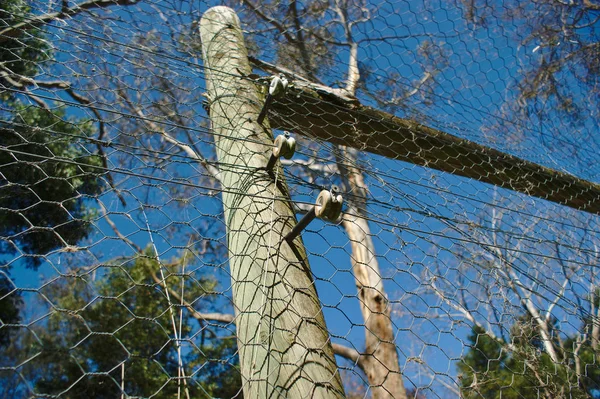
(144, 233)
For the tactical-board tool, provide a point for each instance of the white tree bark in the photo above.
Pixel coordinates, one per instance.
(380, 359)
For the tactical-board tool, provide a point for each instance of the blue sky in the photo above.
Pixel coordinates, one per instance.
(420, 217)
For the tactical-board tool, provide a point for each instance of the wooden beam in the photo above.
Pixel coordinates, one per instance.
(320, 112)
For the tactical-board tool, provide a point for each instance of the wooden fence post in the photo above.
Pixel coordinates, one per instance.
(284, 345)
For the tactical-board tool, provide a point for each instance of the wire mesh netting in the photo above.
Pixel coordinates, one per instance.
(145, 245)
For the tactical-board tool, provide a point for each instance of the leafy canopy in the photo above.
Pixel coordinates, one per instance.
(120, 323)
(42, 198)
(490, 369)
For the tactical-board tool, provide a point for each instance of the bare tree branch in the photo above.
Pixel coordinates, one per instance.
(467, 314)
(426, 76)
(188, 150)
(220, 317)
(23, 82)
(312, 165)
(353, 71)
(301, 43)
(351, 354)
(591, 6)
(40, 20)
(558, 295)
(543, 327)
(341, 8)
(282, 29)
(114, 227)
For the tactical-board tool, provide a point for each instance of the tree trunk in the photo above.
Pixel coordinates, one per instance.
(284, 345)
(595, 338)
(380, 356)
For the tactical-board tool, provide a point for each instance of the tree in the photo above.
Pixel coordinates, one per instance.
(9, 309)
(285, 346)
(47, 172)
(21, 53)
(557, 83)
(47, 175)
(324, 42)
(43, 204)
(327, 29)
(63, 180)
(487, 370)
(490, 369)
(119, 327)
(180, 135)
(518, 305)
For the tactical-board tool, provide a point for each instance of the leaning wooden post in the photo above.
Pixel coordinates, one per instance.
(284, 345)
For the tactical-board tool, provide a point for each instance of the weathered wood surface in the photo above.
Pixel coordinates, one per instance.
(320, 112)
(283, 341)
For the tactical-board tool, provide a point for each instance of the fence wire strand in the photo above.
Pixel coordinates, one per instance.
(144, 244)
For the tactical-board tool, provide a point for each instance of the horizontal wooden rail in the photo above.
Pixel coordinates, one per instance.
(320, 112)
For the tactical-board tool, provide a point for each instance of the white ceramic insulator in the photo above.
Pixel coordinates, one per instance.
(284, 147)
(290, 148)
(275, 86)
(278, 86)
(328, 206)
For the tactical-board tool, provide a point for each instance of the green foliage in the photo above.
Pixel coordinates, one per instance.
(121, 323)
(22, 54)
(484, 358)
(42, 198)
(588, 354)
(9, 309)
(490, 370)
